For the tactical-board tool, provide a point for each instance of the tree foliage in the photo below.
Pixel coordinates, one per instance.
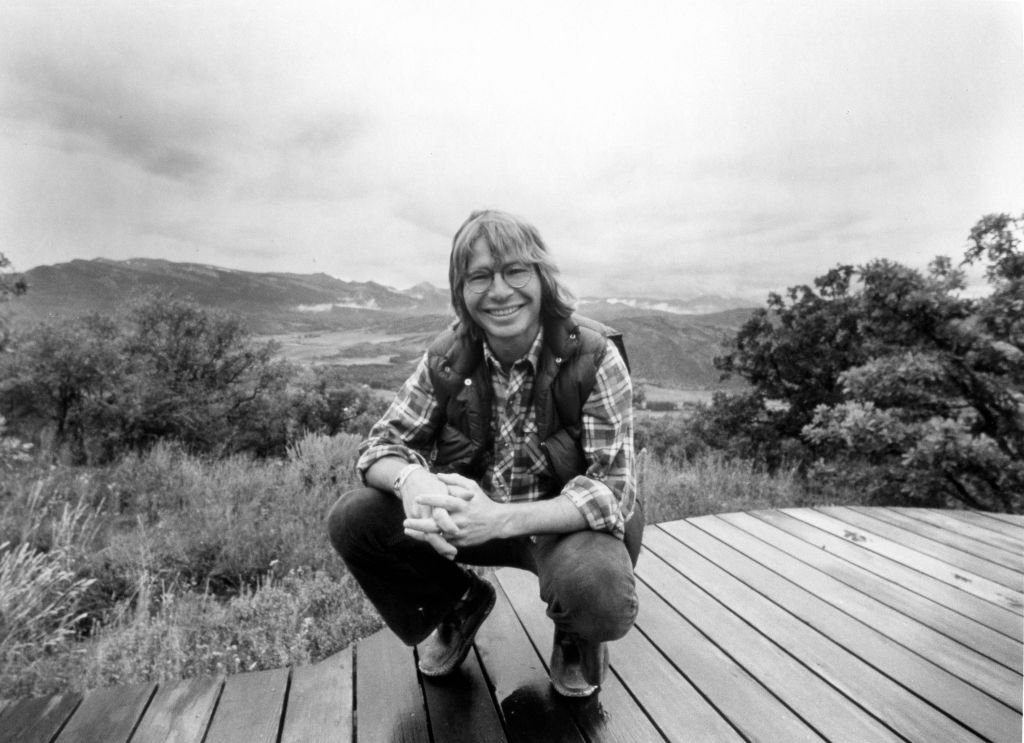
(167, 369)
(894, 379)
(11, 285)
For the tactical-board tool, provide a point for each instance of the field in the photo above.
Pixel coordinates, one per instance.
(679, 397)
(344, 347)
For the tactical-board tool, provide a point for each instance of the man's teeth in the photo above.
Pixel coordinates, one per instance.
(503, 312)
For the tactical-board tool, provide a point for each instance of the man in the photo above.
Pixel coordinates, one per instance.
(511, 444)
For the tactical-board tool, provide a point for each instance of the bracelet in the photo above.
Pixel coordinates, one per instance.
(403, 475)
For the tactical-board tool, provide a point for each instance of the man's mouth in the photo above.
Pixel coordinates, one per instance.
(503, 311)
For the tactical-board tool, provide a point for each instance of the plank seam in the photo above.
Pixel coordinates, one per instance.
(863, 592)
(721, 649)
(882, 575)
(835, 642)
(881, 523)
(142, 712)
(895, 641)
(213, 712)
(284, 704)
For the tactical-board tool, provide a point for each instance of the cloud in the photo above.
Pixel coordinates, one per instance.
(665, 147)
(100, 108)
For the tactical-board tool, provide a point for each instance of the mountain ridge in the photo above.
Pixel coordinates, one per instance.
(667, 344)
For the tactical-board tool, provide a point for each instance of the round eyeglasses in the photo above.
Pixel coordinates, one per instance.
(516, 275)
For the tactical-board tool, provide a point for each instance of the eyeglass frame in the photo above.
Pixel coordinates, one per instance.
(528, 270)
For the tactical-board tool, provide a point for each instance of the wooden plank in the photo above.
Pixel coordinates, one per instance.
(962, 702)
(843, 669)
(180, 712)
(612, 716)
(1011, 544)
(320, 702)
(1010, 518)
(944, 550)
(1009, 600)
(108, 714)
(530, 708)
(998, 681)
(986, 521)
(250, 708)
(994, 645)
(460, 706)
(958, 539)
(675, 705)
(981, 611)
(674, 613)
(389, 701)
(38, 719)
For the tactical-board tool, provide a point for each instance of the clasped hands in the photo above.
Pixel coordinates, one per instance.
(452, 514)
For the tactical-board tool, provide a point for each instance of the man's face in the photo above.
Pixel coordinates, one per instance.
(509, 316)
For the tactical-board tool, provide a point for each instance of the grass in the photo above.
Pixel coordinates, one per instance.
(165, 566)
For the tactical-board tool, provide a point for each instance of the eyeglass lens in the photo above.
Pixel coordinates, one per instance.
(516, 275)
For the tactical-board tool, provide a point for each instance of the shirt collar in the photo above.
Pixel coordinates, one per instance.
(532, 356)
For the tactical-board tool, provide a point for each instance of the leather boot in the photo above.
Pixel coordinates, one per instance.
(578, 667)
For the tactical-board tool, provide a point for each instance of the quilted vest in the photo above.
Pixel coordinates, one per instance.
(567, 370)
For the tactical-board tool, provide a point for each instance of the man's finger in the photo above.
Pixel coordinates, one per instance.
(457, 491)
(441, 547)
(441, 500)
(423, 526)
(444, 522)
(434, 540)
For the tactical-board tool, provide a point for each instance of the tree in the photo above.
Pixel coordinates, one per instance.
(899, 384)
(791, 353)
(196, 375)
(60, 373)
(326, 402)
(11, 285)
(163, 368)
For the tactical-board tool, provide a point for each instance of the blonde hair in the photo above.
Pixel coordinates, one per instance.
(508, 238)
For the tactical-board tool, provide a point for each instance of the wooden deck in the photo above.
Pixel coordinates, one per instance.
(837, 624)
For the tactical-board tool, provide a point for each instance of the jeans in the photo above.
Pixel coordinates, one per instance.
(586, 577)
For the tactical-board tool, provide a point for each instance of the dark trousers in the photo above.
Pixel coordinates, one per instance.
(586, 577)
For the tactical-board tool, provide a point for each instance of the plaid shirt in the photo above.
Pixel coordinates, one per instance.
(517, 467)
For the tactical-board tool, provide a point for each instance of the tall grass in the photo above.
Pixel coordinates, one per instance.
(40, 591)
(714, 483)
(164, 565)
(180, 566)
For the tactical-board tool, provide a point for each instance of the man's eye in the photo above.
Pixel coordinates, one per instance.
(517, 271)
(477, 277)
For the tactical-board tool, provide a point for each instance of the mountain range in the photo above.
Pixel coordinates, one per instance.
(670, 341)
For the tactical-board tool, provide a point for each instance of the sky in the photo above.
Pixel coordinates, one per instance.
(663, 148)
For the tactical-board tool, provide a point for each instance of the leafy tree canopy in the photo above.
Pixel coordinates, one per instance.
(893, 378)
(166, 368)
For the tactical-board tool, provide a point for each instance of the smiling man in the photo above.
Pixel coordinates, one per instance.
(510, 445)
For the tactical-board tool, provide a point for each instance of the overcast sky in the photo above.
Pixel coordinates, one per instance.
(663, 148)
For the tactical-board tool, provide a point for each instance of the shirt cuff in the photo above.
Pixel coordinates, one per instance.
(598, 504)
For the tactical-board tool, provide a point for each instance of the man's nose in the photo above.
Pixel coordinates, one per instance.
(499, 287)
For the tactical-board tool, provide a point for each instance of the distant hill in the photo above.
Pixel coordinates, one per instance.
(670, 342)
